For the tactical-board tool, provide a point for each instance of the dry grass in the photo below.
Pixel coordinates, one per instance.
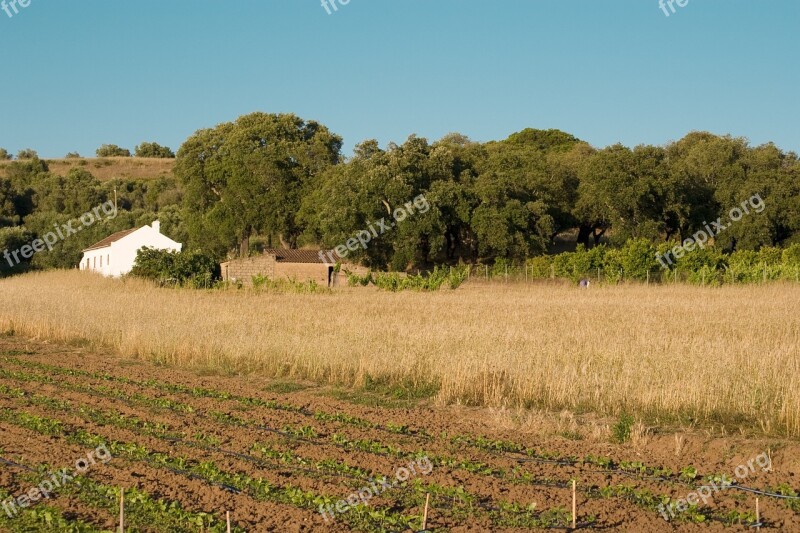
(726, 355)
(108, 168)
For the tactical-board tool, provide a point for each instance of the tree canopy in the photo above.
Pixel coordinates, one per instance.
(268, 180)
(248, 177)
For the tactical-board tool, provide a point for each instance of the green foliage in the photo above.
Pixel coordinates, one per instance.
(27, 153)
(279, 180)
(354, 280)
(151, 149)
(4, 155)
(72, 155)
(394, 281)
(112, 150)
(247, 178)
(191, 269)
(11, 240)
(621, 431)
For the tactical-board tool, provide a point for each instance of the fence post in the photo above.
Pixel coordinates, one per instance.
(487, 272)
(506, 273)
(648, 277)
(552, 272)
(526, 272)
(121, 510)
(574, 506)
(758, 516)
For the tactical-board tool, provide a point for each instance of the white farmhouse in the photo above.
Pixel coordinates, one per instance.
(115, 255)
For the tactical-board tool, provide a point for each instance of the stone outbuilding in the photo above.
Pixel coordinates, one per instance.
(301, 265)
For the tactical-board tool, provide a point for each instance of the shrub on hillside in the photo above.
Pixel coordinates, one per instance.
(153, 150)
(27, 153)
(4, 155)
(112, 150)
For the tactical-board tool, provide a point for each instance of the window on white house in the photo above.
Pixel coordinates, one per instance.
(94, 263)
(108, 260)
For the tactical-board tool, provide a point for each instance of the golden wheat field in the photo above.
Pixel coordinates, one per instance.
(719, 355)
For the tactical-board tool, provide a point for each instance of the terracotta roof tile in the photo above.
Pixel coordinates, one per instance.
(283, 255)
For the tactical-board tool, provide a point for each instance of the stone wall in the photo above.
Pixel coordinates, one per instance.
(243, 270)
(303, 272)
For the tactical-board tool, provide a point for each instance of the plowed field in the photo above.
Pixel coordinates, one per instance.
(188, 448)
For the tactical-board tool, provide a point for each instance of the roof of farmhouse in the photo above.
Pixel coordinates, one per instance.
(110, 239)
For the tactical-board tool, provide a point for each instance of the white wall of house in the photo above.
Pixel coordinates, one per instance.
(117, 259)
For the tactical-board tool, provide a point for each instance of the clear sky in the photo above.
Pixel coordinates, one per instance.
(77, 74)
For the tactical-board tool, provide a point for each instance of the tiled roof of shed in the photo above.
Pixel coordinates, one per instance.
(283, 255)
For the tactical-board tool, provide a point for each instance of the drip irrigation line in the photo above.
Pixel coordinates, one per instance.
(223, 486)
(262, 462)
(153, 384)
(658, 478)
(508, 455)
(16, 465)
(762, 493)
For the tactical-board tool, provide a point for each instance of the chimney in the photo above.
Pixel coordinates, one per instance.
(156, 226)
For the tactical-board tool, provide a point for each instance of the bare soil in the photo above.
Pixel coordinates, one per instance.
(491, 470)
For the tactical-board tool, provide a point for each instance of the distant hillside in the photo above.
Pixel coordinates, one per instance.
(108, 168)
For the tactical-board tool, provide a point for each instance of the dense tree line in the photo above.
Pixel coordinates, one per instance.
(278, 180)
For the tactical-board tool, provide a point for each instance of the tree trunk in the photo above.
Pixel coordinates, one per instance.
(597, 235)
(584, 232)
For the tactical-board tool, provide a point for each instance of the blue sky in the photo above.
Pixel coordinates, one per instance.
(77, 74)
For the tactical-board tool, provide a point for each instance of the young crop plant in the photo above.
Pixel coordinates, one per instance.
(621, 431)
(196, 392)
(42, 517)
